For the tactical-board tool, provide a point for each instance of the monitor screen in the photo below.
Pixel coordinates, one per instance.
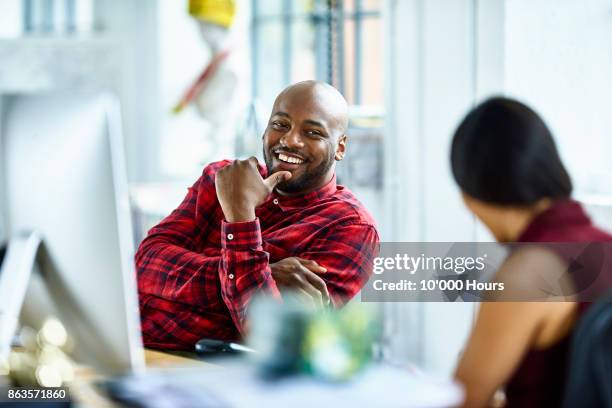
(65, 178)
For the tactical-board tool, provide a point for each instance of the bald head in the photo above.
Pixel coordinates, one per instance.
(306, 135)
(320, 95)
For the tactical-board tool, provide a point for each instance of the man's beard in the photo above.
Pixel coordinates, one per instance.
(307, 180)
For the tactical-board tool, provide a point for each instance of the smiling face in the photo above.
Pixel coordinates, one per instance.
(306, 135)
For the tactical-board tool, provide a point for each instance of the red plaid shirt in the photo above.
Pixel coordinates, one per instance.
(197, 273)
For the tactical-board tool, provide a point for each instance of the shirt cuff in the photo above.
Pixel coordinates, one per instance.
(241, 235)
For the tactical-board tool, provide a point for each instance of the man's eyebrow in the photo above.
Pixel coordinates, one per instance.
(309, 121)
(279, 113)
(314, 123)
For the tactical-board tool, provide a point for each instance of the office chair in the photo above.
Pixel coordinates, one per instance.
(588, 382)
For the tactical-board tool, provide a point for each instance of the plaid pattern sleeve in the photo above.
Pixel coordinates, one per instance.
(245, 268)
(347, 251)
(176, 280)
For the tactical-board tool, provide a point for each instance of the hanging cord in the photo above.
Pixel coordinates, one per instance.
(331, 65)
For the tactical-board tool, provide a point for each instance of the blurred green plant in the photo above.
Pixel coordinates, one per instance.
(292, 338)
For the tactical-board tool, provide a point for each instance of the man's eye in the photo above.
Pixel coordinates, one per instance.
(313, 133)
(279, 125)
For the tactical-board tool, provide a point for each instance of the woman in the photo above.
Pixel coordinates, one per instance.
(507, 166)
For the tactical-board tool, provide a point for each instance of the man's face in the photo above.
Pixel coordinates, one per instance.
(302, 138)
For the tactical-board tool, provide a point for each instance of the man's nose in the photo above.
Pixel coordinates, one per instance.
(292, 139)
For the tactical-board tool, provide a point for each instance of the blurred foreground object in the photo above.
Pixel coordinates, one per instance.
(42, 362)
(220, 12)
(291, 338)
(200, 83)
(339, 343)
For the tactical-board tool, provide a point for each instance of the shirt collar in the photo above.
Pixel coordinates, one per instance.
(287, 203)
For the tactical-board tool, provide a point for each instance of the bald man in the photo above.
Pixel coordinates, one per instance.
(244, 228)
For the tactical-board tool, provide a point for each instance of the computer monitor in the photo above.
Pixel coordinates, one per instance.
(65, 177)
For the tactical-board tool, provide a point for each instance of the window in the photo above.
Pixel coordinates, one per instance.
(336, 41)
(322, 39)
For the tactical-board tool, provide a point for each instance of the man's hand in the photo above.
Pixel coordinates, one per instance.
(240, 188)
(301, 275)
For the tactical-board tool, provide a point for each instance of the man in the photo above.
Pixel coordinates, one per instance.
(244, 229)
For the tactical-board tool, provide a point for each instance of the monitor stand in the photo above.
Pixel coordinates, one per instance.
(15, 272)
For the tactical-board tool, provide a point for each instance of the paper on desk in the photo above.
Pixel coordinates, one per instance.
(380, 386)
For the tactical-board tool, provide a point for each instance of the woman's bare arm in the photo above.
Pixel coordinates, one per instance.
(504, 331)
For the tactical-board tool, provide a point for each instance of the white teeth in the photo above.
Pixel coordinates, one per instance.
(289, 159)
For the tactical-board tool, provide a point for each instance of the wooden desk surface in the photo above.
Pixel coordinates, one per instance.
(87, 395)
(160, 359)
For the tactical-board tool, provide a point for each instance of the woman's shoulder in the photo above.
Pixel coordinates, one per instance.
(534, 273)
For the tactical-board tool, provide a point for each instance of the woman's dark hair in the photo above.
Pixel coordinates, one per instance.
(503, 153)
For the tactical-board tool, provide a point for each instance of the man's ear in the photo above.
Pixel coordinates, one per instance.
(341, 148)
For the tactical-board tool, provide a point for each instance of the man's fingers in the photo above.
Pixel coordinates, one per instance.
(252, 160)
(320, 285)
(306, 296)
(312, 265)
(276, 178)
(315, 283)
(309, 268)
(314, 293)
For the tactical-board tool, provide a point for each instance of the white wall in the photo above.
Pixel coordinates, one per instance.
(432, 83)
(135, 26)
(12, 20)
(559, 60)
(182, 56)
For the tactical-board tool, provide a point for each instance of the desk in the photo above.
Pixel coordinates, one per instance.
(160, 359)
(236, 385)
(85, 393)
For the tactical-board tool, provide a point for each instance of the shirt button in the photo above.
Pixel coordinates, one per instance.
(275, 201)
(231, 276)
(230, 236)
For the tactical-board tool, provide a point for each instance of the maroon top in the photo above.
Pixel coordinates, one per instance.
(539, 379)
